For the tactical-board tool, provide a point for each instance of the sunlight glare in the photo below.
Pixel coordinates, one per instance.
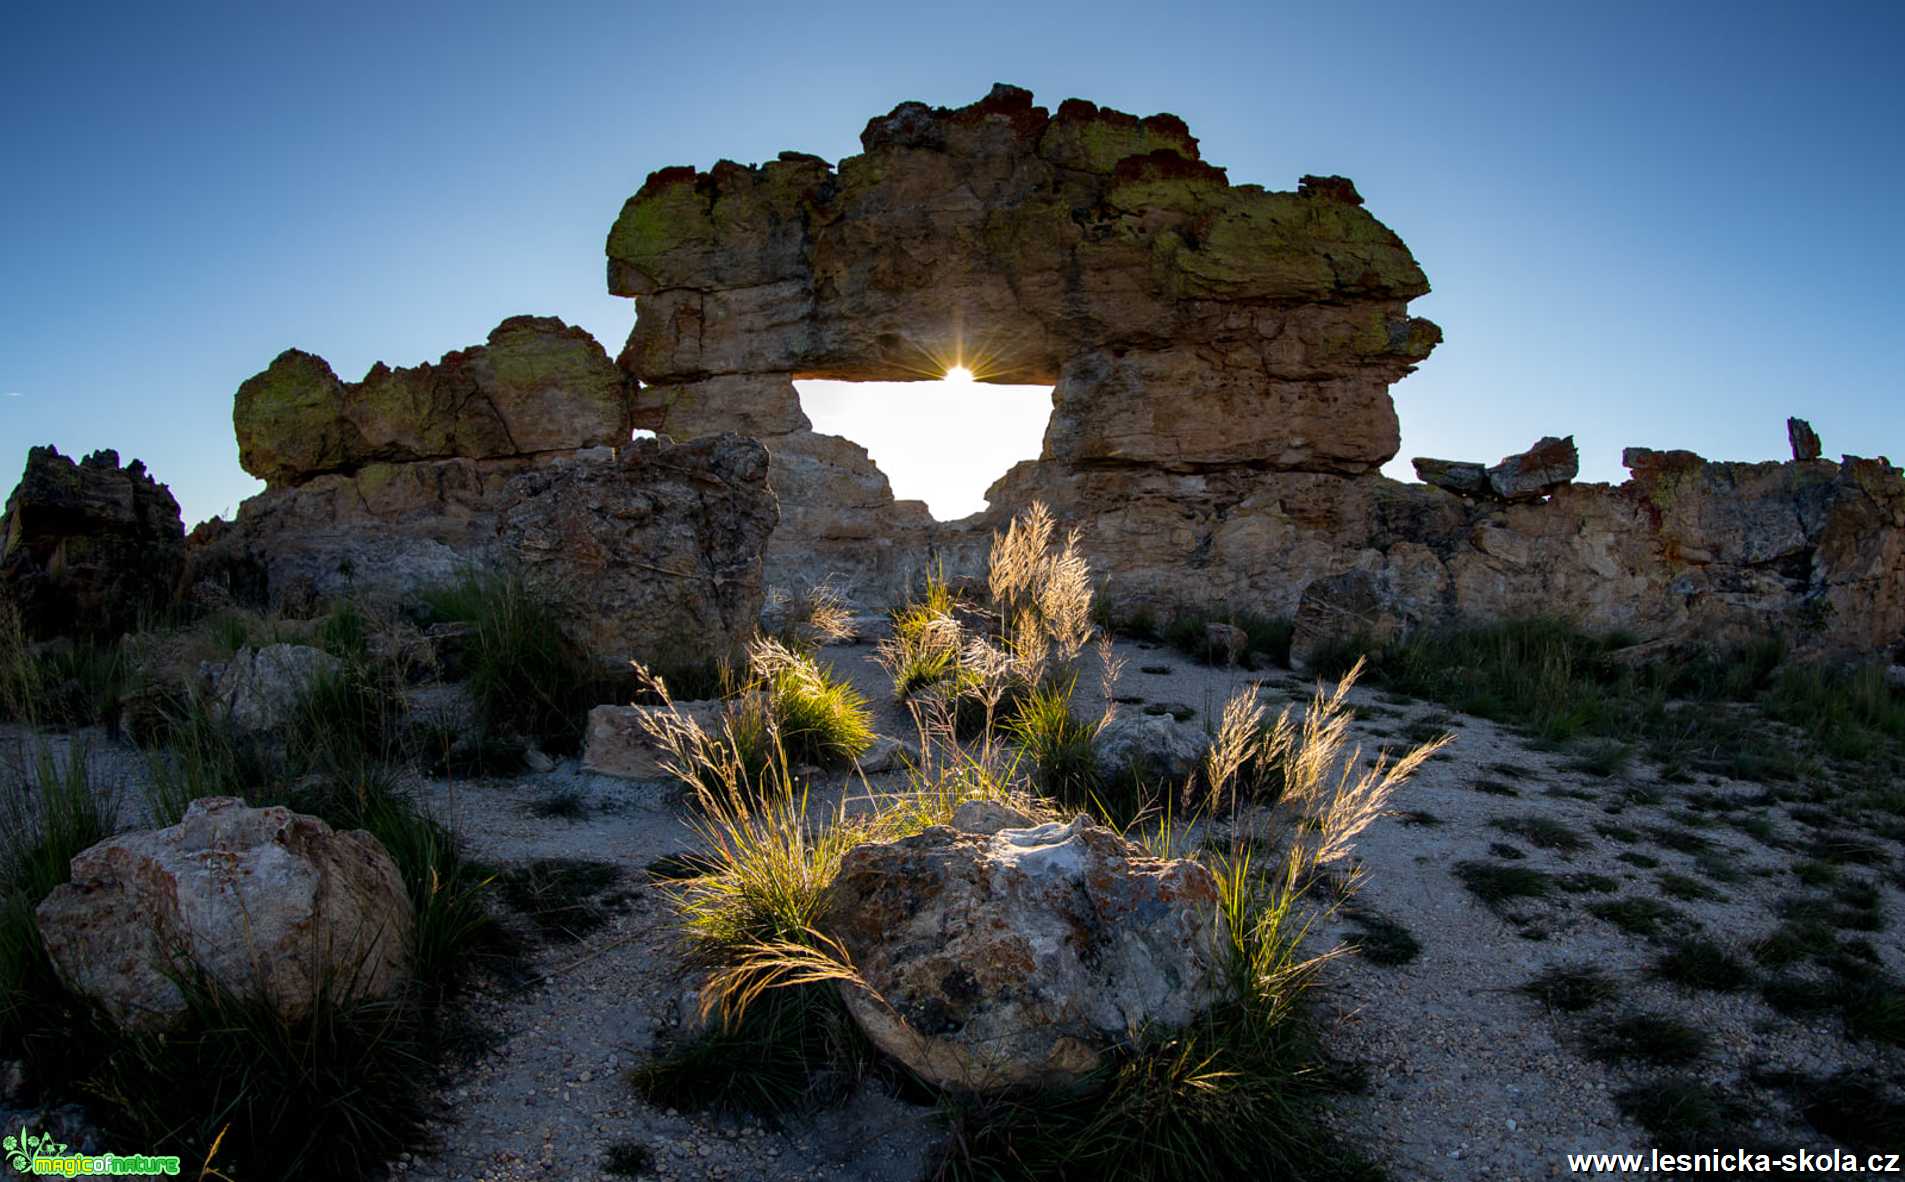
(959, 373)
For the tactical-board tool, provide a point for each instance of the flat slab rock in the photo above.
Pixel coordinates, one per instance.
(263, 899)
(618, 743)
(1001, 956)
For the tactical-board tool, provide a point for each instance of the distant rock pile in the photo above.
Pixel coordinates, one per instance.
(89, 547)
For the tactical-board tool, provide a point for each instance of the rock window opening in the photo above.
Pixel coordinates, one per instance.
(942, 442)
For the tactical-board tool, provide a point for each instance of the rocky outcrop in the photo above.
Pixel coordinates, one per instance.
(1221, 357)
(262, 900)
(1002, 956)
(538, 386)
(89, 547)
(1185, 322)
(1804, 440)
(1157, 749)
(511, 456)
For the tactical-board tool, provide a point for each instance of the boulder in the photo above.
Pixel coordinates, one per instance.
(261, 900)
(1527, 476)
(89, 547)
(1019, 956)
(618, 744)
(260, 690)
(1895, 678)
(657, 552)
(1156, 747)
(1804, 440)
(1225, 642)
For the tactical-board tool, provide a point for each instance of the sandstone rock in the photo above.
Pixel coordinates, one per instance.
(617, 744)
(986, 817)
(1185, 321)
(1461, 477)
(260, 899)
(648, 555)
(1804, 440)
(1156, 747)
(538, 386)
(888, 755)
(88, 547)
(1020, 956)
(1536, 472)
(1226, 642)
(260, 690)
(1895, 677)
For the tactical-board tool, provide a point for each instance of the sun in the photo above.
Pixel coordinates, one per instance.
(959, 373)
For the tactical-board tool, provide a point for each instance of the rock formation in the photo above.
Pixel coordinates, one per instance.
(259, 899)
(1221, 358)
(1186, 323)
(88, 547)
(1004, 955)
(514, 455)
(1804, 440)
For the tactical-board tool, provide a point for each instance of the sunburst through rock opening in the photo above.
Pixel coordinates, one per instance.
(942, 442)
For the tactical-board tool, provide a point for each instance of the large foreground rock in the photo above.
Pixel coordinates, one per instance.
(89, 547)
(1018, 956)
(260, 899)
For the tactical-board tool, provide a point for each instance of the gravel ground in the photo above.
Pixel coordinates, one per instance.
(1468, 1076)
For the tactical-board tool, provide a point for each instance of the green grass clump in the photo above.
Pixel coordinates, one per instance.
(1543, 833)
(1058, 742)
(924, 646)
(1637, 916)
(1269, 636)
(1687, 890)
(1699, 963)
(525, 676)
(1650, 1038)
(566, 898)
(1572, 988)
(1494, 884)
(819, 717)
(1684, 1115)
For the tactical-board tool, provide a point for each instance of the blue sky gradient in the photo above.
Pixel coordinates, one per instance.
(1658, 224)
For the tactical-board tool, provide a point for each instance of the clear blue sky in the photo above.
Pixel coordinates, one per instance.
(1668, 224)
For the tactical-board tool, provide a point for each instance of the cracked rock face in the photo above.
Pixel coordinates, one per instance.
(999, 956)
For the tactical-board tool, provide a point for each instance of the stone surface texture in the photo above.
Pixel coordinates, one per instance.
(259, 899)
(617, 743)
(1000, 956)
(259, 690)
(1221, 358)
(88, 547)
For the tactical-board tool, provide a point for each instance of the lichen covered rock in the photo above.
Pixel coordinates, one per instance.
(538, 386)
(1003, 956)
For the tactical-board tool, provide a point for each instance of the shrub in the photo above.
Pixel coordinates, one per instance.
(526, 678)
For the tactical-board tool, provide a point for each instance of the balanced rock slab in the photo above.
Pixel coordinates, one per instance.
(1020, 955)
(260, 899)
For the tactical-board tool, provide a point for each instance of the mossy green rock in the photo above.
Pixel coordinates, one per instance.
(538, 386)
